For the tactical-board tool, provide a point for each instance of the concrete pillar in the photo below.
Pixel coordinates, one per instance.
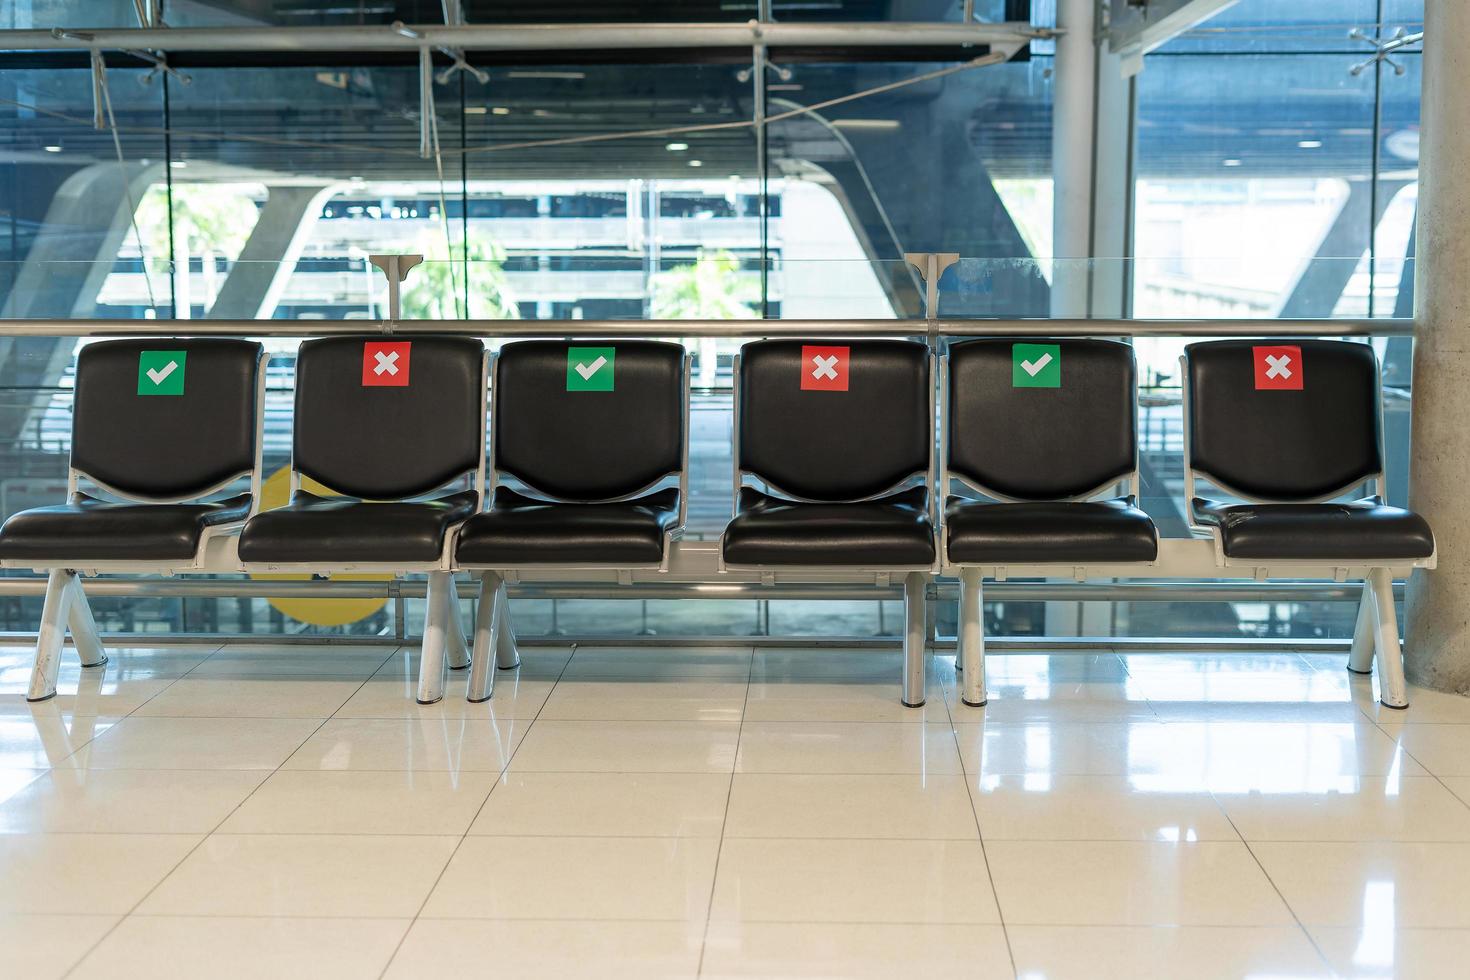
(254, 286)
(1437, 650)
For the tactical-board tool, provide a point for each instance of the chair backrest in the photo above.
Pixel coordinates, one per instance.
(166, 418)
(1283, 419)
(589, 420)
(834, 420)
(386, 418)
(1044, 419)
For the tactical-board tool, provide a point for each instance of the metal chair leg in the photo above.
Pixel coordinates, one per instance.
(915, 640)
(482, 674)
(1360, 658)
(432, 654)
(507, 657)
(83, 627)
(51, 636)
(1393, 691)
(972, 638)
(457, 653)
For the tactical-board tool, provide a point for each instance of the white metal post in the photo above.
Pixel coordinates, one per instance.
(1360, 657)
(972, 638)
(482, 672)
(915, 640)
(1393, 692)
(83, 627)
(456, 652)
(431, 655)
(507, 657)
(51, 636)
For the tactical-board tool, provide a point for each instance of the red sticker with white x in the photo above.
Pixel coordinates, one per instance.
(1278, 368)
(824, 368)
(385, 363)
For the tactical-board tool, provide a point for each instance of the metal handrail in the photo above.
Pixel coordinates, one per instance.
(146, 587)
(93, 327)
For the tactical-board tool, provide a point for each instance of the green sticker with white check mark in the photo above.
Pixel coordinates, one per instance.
(590, 368)
(161, 372)
(1036, 366)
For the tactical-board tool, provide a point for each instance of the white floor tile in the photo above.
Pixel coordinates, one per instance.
(1442, 749)
(45, 947)
(395, 697)
(659, 664)
(309, 875)
(538, 663)
(1425, 707)
(250, 697)
(847, 747)
(1040, 806)
(818, 699)
(862, 951)
(445, 744)
(1379, 952)
(628, 746)
(1372, 885)
(835, 806)
(833, 665)
(84, 873)
(1460, 786)
(629, 700)
(252, 660)
(577, 878)
(187, 947)
(1416, 808)
(1196, 952)
(549, 950)
(1212, 883)
(1074, 704)
(127, 801)
(91, 692)
(605, 804)
(196, 743)
(334, 802)
(46, 736)
(853, 881)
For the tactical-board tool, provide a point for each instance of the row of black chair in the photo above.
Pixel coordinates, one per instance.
(839, 464)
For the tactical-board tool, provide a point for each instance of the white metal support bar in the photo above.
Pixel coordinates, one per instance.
(972, 638)
(507, 656)
(437, 608)
(1360, 657)
(1393, 691)
(915, 640)
(83, 627)
(395, 270)
(52, 635)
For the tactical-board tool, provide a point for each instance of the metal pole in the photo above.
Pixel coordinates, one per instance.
(1074, 90)
(1063, 327)
(525, 37)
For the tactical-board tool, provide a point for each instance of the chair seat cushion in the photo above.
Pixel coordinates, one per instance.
(89, 529)
(521, 530)
(1364, 530)
(338, 530)
(890, 532)
(1046, 532)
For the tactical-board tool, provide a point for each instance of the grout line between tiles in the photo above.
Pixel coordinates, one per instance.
(200, 843)
(418, 913)
(709, 909)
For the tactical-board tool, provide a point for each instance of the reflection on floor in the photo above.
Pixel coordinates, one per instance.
(257, 811)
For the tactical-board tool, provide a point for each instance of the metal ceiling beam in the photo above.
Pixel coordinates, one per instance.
(522, 37)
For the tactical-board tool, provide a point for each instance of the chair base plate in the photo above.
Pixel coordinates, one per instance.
(1396, 707)
(1360, 673)
(435, 701)
(975, 704)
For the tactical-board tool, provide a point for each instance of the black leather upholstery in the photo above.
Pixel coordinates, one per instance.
(589, 445)
(89, 529)
(336, 530)
(520, 530)
(172, 446)
(1284, 445)
(1049, 533)
(835, 445)
(1041, 443)
(890, 532)
(1359, 529)
(383, 443)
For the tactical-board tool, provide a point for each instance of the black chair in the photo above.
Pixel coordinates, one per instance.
(1288, 427)
(590, 430)
(389, 424)
(1040, 428)
(159, 426)
(842, 435)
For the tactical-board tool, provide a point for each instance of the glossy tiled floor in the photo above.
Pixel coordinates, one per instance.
(253, 811)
